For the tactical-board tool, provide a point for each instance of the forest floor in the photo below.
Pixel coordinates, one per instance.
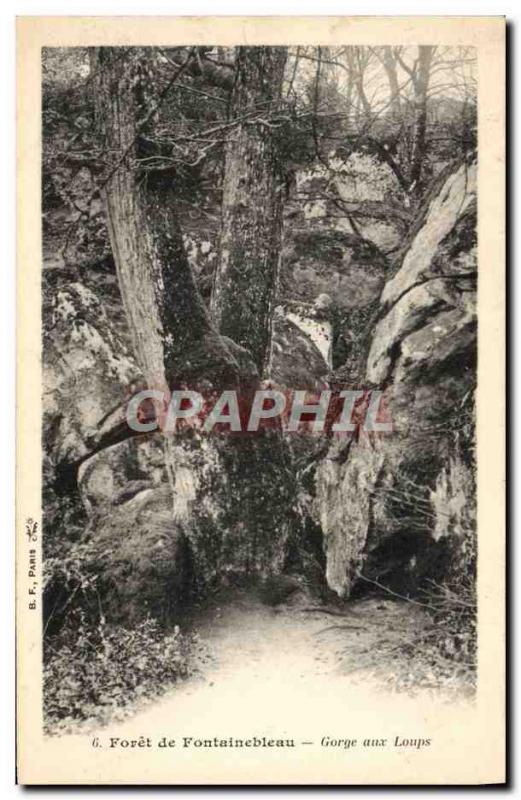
(311, 680)
(296, 661)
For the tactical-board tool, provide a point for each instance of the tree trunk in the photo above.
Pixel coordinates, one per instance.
(231, 497)
(421, 87)
(174, 338)
(389, 65)
(364, 111)
(246, 276)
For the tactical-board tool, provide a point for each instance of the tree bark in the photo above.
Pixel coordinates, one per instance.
(389, 64)
(364, 110)
(421, 87)
(219, 485)
(246, 276)
(174, 338)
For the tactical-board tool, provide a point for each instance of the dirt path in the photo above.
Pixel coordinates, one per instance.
(280, 662)
(308, 678)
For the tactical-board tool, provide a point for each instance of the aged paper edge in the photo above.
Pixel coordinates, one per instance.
(475, 756)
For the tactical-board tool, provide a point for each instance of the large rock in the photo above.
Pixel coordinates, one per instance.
(378, 497)
(164, 515)
(186, 511)
(87, 369)
(357, 194)
(130, 542)
(140, 557)
(350, 269)
(301, 348)
(346, 269)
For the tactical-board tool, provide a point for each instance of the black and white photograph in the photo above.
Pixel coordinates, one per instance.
(259, 377)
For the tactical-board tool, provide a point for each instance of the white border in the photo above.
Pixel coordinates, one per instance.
(7, 147)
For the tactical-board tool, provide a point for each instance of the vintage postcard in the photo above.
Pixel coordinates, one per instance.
(261, 423)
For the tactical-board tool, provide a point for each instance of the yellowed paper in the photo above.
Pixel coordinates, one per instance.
(326, 726)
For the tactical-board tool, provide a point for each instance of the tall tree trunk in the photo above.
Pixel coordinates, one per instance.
(389, 64)
(246, 276)
(350, 86)
(421, 88)
(258, 535)
(173, 335)
(364, 111)
(220, 485)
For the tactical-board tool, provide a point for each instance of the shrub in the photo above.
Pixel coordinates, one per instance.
(455, 615)
(92, 670)
(440, 652)
(454, 598)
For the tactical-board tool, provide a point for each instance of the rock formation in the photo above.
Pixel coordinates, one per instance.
(390, 506)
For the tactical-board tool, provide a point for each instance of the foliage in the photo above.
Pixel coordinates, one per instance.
(434, 646)
(65, 518)
(70, 584)
(93, 670)
(454, 598)
(345, 148)
(450, 645)
(455, 621)
(340, 114)
(444, 654)
(431, 647)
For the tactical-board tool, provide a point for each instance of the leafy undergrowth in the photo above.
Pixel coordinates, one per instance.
(97, 673)
(94, 674)
(412, 647)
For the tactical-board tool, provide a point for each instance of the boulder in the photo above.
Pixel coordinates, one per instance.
(140, 558)
(87, 370)
(301, 348)
(378, 496)
(163, 515)
(346, 267)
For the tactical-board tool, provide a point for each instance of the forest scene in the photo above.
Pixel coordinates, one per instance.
(236, 218)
